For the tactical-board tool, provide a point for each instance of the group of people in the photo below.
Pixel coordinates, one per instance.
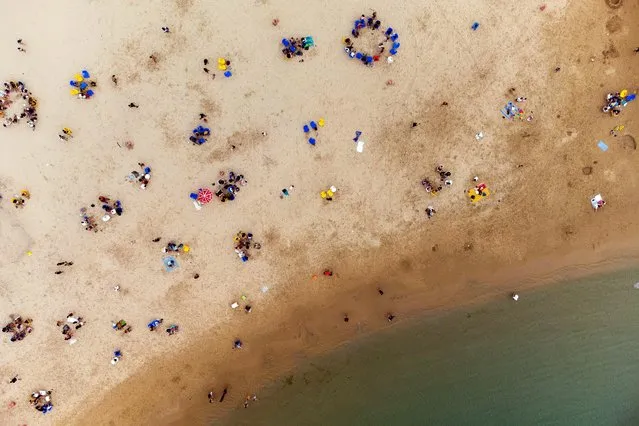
(296, 46)
(76, 321)
(616, 101)
(20, 200)
(243, 243)
(511, 110)
(200, 135)
(143, 177)
(229, 186)
(315, 126)
(444, 178)
(18, 327)
(373, 24)
(110, 207)
(81, 86)
(171, 330)
(66, 134)
(88, 221)
(173, 247)
(14, 91)
(223, 65)
(41, 401)
(479, 191)
(121, 326)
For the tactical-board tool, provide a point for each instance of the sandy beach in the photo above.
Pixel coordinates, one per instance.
(536, 225)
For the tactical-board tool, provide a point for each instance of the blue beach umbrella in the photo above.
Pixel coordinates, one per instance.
(73, 83)
(85, 74)
(89, 93)
(393, 51)
(313, 125)
(285, 42)
(83, 85)
(227, 74)
(306, 129)
(312, 141)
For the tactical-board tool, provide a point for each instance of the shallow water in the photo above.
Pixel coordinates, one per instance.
(565, 354)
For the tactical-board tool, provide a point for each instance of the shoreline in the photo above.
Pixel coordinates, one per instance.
(250, 371)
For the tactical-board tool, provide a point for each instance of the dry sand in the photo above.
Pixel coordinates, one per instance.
(374, 233)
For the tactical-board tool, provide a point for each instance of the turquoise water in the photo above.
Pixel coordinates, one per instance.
(566, 354)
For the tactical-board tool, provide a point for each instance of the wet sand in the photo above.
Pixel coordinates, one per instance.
(375, 233)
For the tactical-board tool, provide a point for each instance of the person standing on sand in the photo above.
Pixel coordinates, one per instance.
(211, 397)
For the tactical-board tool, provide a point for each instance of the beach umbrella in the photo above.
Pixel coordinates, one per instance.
(83, 85)
(75, 92)
(78, 78)
(204, 195)
(89, 93)
(85, 74)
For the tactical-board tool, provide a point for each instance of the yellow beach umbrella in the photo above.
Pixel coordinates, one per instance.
(221, 67)
(321, 122)
(221, 61)
(624, 93)
(78, 78)
(75, 92)
(323, 194)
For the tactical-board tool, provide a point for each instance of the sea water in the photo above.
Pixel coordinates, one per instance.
(564, 354)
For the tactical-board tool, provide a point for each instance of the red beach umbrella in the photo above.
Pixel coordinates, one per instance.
(204, 195)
